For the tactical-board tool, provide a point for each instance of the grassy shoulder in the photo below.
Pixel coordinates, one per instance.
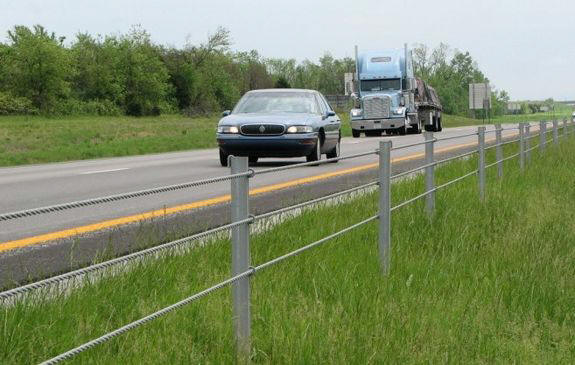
(459, 121)
(28, 140)
(480, 282)
(33, 139)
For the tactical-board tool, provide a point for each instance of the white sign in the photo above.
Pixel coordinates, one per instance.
(479, 96)
(513, 107)
(348, 81)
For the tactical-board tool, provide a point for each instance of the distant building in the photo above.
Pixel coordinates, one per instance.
(513, 107)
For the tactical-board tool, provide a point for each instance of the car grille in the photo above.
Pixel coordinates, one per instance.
(262, 129)
(376, 107)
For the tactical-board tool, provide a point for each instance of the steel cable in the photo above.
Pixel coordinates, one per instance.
(117, 197)
(119, 260)
(314, 163)
(110, 335)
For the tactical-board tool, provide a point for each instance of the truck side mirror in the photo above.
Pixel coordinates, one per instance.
(226, 113)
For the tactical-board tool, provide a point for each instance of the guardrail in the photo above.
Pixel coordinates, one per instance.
(240, 176)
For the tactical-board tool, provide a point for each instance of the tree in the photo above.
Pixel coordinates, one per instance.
(97, 73)
(183, 76)
(282, 83)
(38, 65)
(145, 75)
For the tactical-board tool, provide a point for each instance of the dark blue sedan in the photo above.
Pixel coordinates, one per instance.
(280, 123)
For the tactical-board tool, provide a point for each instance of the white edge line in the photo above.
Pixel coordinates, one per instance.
(103, 171)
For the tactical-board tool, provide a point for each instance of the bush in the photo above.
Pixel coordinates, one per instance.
(92, 107)
(12, 105)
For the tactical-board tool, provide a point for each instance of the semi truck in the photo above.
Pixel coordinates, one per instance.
(388, 98)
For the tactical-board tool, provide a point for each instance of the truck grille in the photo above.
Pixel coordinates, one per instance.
(262, 129)
(376, 107)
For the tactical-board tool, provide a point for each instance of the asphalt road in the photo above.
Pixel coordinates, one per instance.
(42, 185)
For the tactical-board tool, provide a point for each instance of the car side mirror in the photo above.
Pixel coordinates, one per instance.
(226, 113)
(328, 114)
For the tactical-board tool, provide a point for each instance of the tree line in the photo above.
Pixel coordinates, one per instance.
(41, 73)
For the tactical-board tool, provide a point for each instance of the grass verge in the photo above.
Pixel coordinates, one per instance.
(28, 140)
(33, 139)
(480, 282)
(450, 121)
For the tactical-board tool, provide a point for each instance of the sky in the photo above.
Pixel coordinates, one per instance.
(525, 47)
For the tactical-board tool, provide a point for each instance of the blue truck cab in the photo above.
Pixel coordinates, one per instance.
(385, 94)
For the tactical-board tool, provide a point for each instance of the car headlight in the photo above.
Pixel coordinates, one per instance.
(228, 129)
(399, 111)
(356, 112)
(300, 129)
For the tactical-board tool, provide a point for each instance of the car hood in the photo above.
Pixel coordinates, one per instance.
(284, 118)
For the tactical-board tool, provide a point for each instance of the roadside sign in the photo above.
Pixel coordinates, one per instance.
(479, 96)
(513, 107)
(348, 79)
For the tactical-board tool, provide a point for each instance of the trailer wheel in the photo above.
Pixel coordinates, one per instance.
(402, 131)
(355, 133)
(415, 129)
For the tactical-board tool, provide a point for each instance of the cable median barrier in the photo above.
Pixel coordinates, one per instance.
(242, 270)
(117, 197)
(184, 241)
(314, 163)
(245, 274)
(117, 261)
(170, 245)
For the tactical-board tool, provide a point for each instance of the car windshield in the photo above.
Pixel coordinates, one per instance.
(278, 102)
(380, 85)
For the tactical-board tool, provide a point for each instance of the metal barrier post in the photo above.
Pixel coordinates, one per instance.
(522, 146)
(241, 256)
(481, 169)
(499, 150)
(385, 205)
(555, 133)
(542, 135)
(527, 142)
(429, 173)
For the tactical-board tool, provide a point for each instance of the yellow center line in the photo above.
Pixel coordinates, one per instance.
(67, 233)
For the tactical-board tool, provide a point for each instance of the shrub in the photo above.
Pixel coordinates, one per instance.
(12, 105)
(92, 107)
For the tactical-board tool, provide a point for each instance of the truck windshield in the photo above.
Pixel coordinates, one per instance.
(380, 85)
(278, 102)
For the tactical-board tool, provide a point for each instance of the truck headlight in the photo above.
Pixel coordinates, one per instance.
(300, 129)
(226, 129)
(356, 112)
(399, 111)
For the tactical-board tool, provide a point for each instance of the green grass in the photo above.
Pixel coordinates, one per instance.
(27, 140)
(458, 121)
(34, 139)
(31, 139)
(479, 283)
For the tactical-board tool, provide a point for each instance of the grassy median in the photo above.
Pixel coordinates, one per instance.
(479, 283)
(35, 139)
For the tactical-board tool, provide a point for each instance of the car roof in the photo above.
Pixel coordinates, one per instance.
(282, 90)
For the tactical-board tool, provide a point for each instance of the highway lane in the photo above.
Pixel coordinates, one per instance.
(41, 185)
